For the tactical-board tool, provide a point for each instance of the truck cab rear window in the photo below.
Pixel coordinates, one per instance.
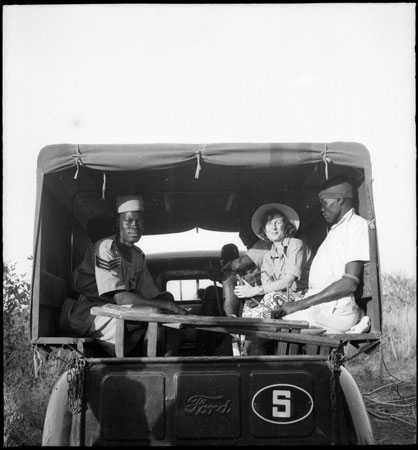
(189, 289)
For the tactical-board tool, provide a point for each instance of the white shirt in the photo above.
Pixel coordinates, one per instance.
(103, 270)
(347, 241)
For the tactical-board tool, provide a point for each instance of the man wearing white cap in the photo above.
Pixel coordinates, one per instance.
(114, 271)
(337, 266)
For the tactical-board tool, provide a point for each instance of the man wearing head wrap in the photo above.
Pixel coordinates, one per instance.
(114, 271)
(337, 266)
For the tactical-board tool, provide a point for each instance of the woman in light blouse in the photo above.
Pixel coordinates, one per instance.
(284, 274)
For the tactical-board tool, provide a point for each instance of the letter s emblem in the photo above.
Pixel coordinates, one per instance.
(278, 400)
(282, 403)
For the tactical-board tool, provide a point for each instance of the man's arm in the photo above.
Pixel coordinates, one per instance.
(129, 298)
(343, 287)
(241, 263)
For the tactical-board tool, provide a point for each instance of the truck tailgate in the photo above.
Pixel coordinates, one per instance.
(269, 400)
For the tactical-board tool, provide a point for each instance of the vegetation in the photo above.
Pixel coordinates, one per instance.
(26, 393)
(400, 319)
(387, 376)
(396, 356)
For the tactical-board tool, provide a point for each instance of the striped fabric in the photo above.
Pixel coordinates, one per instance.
(108, 265)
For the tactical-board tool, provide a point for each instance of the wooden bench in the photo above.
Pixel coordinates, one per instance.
(291, 336)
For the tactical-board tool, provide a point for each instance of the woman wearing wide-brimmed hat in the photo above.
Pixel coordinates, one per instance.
(284, 274)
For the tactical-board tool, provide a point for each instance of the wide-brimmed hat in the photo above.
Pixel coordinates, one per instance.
(289, 212)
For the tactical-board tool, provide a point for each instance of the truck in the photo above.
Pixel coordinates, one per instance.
(301, 395)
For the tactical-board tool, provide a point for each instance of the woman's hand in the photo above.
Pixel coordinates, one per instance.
(246, 290)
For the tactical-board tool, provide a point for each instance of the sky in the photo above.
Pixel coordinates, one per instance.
(138, 73)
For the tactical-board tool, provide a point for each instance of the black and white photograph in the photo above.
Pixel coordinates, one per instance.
(209, 224)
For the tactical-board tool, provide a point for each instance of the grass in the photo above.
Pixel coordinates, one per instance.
(24, 411)
(387, 376)
(26, 399)
(397, 353)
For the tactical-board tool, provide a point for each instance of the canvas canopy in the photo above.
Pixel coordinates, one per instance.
(109, 157)
(186, 186)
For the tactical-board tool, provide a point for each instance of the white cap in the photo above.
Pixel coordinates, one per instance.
(127, 203)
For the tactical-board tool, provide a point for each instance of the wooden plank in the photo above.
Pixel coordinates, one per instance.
(228, 327)
(314, 331)
(282, 348)
(120, 338)
(365, 347)
(152, 335)
(373, 307)
(278, 336)
(78, 342)
(294, 348)
(176, 326)
(312, 349)
(355, 337)
(131, 313)
(234, 330)
(62, 340)
(36, 278)
(324, 350)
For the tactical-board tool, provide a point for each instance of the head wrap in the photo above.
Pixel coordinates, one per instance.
(127, 203)
(342, 190)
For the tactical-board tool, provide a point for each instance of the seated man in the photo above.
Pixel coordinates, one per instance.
(232, 263)
(114, 271)
(337, 266)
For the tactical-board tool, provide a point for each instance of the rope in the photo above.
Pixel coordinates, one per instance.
(371, 223)
(198, 154)
(77, 161)
(326, 161)
(104, 186)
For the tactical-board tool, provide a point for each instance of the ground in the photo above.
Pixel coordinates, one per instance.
(390, 400)
(394, 433)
